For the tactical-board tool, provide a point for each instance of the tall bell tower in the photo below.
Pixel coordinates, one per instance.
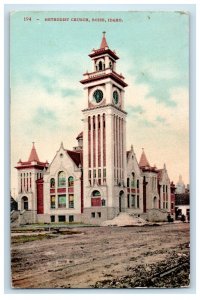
(104, 136)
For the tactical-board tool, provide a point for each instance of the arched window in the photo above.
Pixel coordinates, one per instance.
(52, 183)
(100, 66)
(96, 193)
(24, 203)
(71, 181)
(128, 182)
(61, 179)
(133, 179)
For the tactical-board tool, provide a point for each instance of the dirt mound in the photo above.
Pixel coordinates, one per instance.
(124, 219)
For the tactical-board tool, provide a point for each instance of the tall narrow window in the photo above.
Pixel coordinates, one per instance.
(52, 183)
(94, 142)
(71, 201)
(61, 201)
(61, 179)
(71, 181)
(138, 184)
(89, 174)
(53, 202)
(133, 201)
(30, 180)
(138, 201)
(100, 66)
(103, 202)
(133, 180)
(104, 141)
(99, 173)
(89, 142)
(128, 201)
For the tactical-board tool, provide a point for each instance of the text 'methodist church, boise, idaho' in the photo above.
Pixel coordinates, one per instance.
(99, 178)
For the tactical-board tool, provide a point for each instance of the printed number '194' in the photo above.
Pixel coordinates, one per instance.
(27, 18)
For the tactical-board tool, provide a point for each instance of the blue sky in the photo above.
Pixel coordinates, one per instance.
(47, 63)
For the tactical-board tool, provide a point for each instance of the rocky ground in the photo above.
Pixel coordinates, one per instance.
(102, 257)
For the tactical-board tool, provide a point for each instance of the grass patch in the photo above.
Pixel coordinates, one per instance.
(67, 232)
(30, 238)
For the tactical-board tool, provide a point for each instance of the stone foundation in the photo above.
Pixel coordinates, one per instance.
(96, 215)
(27, 217)
(92, 215)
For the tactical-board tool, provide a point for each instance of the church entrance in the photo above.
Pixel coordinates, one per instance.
(24, 203)
(121, 202)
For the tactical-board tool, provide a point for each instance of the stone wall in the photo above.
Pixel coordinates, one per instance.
(27, 217)
(156, 215)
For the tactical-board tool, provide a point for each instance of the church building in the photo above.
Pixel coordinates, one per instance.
(99, 178)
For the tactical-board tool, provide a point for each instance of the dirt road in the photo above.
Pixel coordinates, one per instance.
(101, 257)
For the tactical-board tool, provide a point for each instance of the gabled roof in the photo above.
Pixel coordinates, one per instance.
(33, 155)
(80, 136)
(76, 156)
(143, 160)
(104, 43)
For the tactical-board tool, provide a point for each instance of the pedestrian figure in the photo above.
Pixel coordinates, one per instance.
(183, 218)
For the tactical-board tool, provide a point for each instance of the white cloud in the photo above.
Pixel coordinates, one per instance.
(161, 142)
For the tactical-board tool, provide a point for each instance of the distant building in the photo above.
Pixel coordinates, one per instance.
(173, 189)
(182, 205)
(180, 186)
(187, 189)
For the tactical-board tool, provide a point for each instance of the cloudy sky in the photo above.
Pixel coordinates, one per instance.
(47, 63)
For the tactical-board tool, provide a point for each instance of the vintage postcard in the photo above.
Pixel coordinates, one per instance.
(99, 149)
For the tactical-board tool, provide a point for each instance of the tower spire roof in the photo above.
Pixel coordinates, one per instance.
(33, 155)
(104, 43)
(143, 160)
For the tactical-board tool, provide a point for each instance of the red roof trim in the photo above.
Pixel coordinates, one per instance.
(149, 169)
(112, 75)
(103, 51)
(31, 167)
(100, 106)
